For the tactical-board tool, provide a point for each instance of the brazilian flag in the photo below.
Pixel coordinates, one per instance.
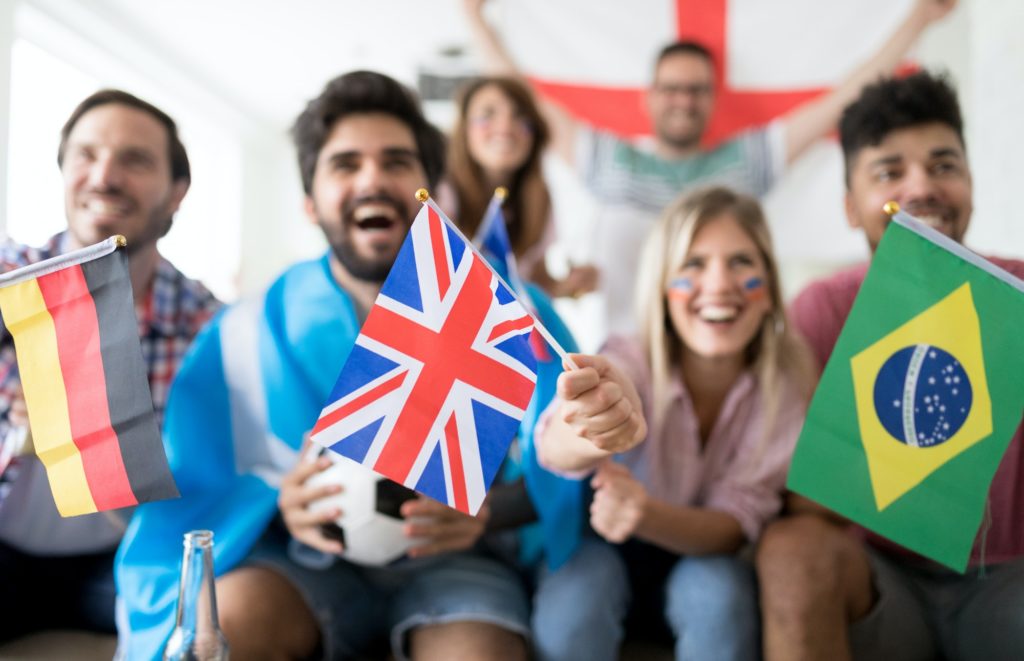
(921, 396)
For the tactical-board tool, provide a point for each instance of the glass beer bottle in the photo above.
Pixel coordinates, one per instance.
(197, 635)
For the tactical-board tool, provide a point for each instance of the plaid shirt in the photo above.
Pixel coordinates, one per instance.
(174, 310)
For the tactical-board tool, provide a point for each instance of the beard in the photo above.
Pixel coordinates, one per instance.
(373, 268)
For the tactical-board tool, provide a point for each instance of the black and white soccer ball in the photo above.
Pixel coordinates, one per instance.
(370, 525)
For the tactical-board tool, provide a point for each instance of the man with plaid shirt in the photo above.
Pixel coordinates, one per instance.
(125, 172)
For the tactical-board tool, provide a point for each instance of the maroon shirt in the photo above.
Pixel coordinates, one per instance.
(819, 312)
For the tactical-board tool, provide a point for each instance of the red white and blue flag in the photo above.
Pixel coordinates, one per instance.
(494, 244)
(440, 375)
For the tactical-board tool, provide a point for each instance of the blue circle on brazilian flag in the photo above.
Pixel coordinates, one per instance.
(922, 395)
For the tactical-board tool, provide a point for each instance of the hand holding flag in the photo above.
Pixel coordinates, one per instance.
(921, 396)
(441, 373)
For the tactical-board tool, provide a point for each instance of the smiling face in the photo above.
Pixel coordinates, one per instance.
(718, 297)
(681, 100)
(117, 178)
(924, 169)
(499, 134)
(363, 191)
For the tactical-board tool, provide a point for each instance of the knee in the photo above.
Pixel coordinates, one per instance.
(711, 587)
(802, 561)
(579, 609)
(263, 616)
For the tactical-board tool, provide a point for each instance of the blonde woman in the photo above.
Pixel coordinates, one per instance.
(689, 427)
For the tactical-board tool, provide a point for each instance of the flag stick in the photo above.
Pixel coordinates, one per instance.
(423, 196)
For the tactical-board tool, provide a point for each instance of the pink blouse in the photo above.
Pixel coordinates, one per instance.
(740, 470)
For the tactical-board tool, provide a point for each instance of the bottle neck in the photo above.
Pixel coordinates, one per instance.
(197, 635)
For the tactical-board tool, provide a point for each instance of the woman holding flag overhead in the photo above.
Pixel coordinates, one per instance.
(498, 140)
(688, 428)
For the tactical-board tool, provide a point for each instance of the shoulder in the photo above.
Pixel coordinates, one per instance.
(182, 303)
(819, 311)
(1014, 266)
(14, 255)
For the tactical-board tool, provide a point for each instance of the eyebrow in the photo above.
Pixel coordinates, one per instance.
(940, 152)
(400, 152)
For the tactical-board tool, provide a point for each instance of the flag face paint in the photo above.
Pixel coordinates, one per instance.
(920, 397)
(754, 289)
(441, 373)
(85, 385)
(680, 289)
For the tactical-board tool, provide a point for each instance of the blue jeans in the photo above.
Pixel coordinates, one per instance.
(711, 607)
(578, 610)
(706, 604)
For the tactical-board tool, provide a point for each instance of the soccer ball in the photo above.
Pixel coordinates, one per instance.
(370, 525)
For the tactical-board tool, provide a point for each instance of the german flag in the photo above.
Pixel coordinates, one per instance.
(89, 406)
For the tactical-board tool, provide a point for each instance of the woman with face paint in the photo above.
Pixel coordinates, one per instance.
(498, 140)
(688, 428)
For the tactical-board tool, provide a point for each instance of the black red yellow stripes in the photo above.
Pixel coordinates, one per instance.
(90, 410)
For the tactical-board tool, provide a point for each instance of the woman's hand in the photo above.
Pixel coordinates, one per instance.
(600, 404)
(620, 501)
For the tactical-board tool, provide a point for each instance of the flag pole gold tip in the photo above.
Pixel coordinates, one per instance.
(422, 195)
(891, 208)
(120, 241)
(501, 192)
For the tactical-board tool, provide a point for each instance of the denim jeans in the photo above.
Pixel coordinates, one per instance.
(578, 610)
(705, 605)
(711, 607)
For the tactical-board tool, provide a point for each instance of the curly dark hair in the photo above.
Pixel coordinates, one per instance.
(364, 92)
(897, 103)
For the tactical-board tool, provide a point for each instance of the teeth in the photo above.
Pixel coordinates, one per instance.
(719, 312)
(931, 221)
(374, 211)
(104, 206)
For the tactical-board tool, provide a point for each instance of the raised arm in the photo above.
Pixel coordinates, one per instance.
(498, 61)
(812, 120)
(599, 415)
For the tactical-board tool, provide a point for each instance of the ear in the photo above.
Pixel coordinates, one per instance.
(851, 216)
(309, 208)
(178, 190)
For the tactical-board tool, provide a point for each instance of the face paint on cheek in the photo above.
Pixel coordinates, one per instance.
(680, 289)
(754, 289)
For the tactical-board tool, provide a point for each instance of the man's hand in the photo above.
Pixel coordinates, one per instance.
(437, 528)
(619, 502)
(294, 500)
(601, 404)
(17, 415)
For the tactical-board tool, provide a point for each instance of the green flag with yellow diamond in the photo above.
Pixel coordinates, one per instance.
(921, 396)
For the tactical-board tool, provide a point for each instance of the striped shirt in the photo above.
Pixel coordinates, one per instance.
(173, 311)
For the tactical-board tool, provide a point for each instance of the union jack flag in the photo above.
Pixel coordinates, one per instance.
(493, 241)
(440, 375)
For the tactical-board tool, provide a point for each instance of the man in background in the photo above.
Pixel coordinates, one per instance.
(634, 183)
(125, 172)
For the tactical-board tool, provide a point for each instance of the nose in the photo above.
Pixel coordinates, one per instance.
(717, 278)
(918, 185)
(104, 172)
(371, 176)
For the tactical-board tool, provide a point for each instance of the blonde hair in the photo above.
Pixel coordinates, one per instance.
(774, 353)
